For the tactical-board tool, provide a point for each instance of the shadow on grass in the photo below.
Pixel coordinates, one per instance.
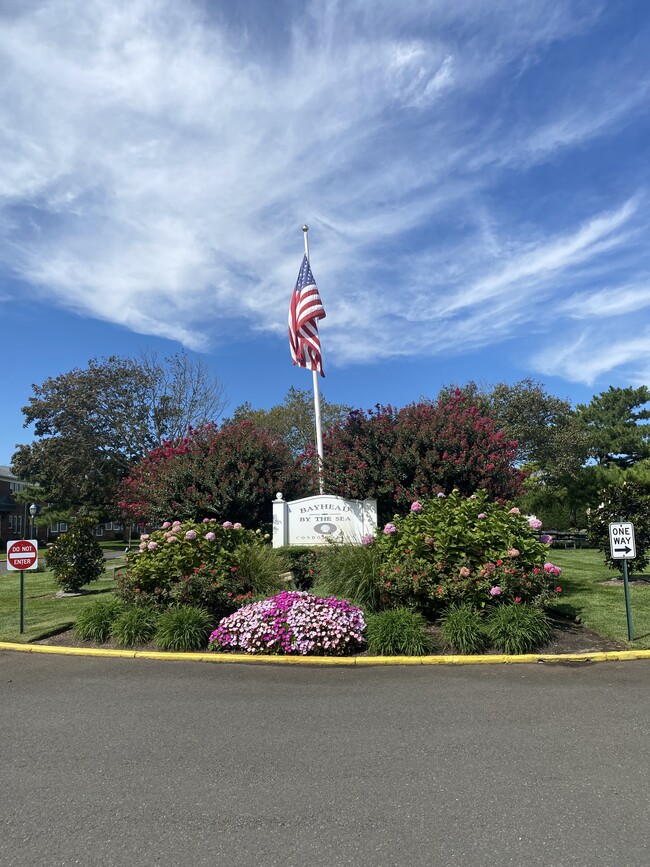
(565, 610)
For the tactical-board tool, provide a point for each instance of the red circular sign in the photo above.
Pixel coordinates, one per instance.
(22, 554)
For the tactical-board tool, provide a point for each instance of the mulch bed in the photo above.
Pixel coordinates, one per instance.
(568, 637)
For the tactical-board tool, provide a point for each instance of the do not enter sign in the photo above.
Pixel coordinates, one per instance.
(22, 555)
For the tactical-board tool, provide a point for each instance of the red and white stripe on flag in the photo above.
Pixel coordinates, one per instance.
(305, 310)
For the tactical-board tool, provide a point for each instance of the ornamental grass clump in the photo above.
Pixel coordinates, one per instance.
(462, 629)
(350, 572)
(293, 622)
(94, 622)
(518, 628)
(183, 629)
(398, 632)
(134, 626)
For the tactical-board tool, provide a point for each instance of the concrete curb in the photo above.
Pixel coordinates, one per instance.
(494, 659)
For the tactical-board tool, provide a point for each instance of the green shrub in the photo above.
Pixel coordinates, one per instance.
(94, 622)
(462, 629)
(397, 632)
(184, 629)
(134, 625)
(518, 628)
(350, 572)
(76, 557)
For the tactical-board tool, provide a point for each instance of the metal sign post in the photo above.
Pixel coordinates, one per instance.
(21, 556)
(623, 547)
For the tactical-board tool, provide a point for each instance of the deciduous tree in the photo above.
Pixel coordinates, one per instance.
(91, 424)
(294, 419)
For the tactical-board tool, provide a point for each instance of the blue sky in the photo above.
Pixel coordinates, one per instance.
(474, 175)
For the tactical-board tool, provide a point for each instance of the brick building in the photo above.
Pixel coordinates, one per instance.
(15, 521)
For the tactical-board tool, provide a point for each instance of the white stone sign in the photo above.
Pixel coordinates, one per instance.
(315, 520)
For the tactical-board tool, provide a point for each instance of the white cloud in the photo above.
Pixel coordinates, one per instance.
(158, 164)
(595, 352)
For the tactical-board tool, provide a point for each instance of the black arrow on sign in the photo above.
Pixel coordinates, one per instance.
(625, 549)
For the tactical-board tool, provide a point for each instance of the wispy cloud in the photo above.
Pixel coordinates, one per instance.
(159, 161)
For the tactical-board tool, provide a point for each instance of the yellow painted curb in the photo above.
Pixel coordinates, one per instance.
(491, 659)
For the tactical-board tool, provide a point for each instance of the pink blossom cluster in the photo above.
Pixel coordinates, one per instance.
(293, 622)
(551, 569)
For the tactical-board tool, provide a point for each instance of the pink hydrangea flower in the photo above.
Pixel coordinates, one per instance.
(514, 511)
(534, 523)
(482, 515)
(227, 525)
(546, 539)
(171, 538)
(191, 534)
(236, 526)
(416, 506)
(513, 552)
(143, 546)
(206, 521)
(464, 572)
(440, 494)
(368, 539)
(210, 537)
(495, 591)
(166, 525)
(152, 546)
(144, 537)
(389, 529)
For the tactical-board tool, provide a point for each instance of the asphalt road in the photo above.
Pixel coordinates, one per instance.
(124, 762)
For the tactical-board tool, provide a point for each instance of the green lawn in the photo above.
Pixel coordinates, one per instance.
(44, 614)
(601, 607)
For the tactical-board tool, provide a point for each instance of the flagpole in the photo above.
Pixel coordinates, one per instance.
(319, 432)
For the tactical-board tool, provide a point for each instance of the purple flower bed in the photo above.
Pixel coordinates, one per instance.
(293, 622)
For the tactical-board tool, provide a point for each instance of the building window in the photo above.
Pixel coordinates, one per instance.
(99, 531)
(61, 527)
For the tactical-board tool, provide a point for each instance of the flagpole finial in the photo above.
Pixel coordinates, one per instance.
(305, 228)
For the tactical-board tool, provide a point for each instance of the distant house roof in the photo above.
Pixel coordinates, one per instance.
(5, 473)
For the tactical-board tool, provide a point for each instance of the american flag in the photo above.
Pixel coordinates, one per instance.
(304, 312)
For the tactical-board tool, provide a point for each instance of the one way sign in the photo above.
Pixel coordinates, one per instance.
(621, 541)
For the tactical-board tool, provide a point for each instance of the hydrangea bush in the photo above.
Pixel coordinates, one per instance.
(197, 563)
(293, 622)
(454, 549)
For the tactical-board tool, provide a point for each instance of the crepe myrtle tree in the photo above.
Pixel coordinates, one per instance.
(401, 455)
(230, 473)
